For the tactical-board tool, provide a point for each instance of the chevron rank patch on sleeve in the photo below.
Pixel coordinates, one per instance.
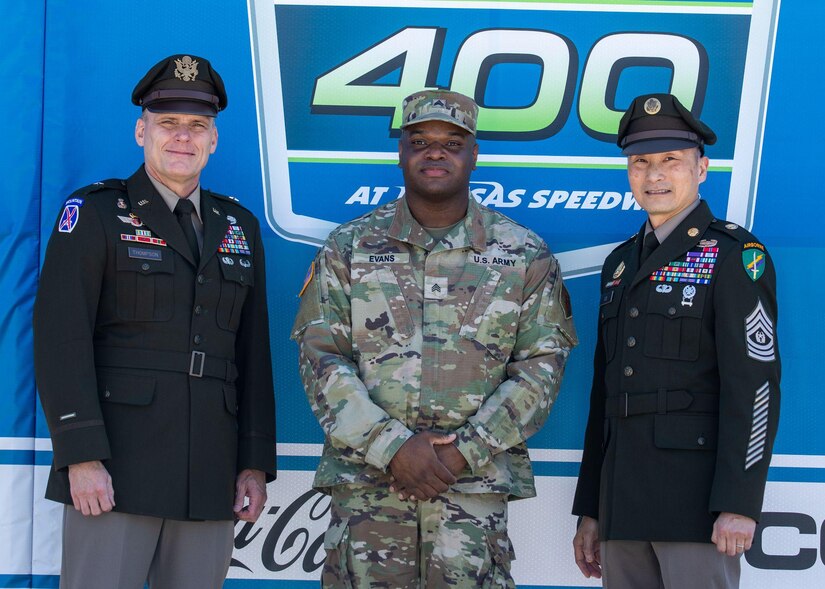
(759, 334)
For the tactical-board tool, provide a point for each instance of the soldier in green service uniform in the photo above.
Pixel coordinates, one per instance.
(433, 337)
(685, 398)
(151, 351)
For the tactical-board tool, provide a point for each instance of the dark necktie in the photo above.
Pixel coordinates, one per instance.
(650, 243)
(183, 211)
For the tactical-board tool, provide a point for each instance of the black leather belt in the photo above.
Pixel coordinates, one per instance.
(193, 363)
(628, 404)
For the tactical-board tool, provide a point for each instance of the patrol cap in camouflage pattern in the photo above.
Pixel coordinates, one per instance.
(183, 84)
(658, 122)
(440, 105)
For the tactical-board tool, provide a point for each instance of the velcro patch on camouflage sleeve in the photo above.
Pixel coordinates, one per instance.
(564, 301)
(308, 279)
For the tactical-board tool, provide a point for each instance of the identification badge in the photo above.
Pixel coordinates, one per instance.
(385, 258)
(142, 253)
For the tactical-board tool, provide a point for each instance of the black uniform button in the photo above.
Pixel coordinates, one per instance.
(628, 371)
(107, 394)
(671, 311)
(631, 341)
(197, 339)
(144, 266)
(198, 309)
(201, 279)
(634, 312)
(701, 440)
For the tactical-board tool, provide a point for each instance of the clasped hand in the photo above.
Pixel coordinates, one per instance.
(425, 465)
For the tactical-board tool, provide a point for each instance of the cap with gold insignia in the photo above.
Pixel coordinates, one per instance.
(658, 122)
(440, 105)
(183, 84)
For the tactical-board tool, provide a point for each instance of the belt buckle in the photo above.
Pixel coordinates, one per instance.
(196, 363)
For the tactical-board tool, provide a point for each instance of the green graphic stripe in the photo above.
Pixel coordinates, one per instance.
(340, 160)
(485, 164)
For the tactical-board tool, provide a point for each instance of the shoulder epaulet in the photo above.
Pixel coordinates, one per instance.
(110, 184)
(226, 198)
(625, 243)
(736, 231)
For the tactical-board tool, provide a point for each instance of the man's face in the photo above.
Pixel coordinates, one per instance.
(176, 146)
(437, 158)
(664, 184)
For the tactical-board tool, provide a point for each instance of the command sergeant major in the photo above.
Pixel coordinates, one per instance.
(685, 398)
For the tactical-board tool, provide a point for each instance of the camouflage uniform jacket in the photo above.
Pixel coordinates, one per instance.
(400, 334)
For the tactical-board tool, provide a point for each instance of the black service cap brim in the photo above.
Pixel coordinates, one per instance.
(183, 107)
(658, 146)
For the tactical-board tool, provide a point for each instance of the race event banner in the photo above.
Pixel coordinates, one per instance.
(310, 140)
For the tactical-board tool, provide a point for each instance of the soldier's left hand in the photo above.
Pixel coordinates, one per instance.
(451, 457)
(250, 484)
(448, 455)
(732, 533)
(417, 472)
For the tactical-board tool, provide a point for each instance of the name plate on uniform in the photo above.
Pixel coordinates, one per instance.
(387, 258)
(145, 254)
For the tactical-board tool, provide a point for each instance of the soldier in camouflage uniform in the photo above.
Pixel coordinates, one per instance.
(433, 336)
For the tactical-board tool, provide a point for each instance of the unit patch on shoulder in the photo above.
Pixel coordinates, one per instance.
(308, 279)
(759, 334)
(753, 260)
(564, 301)
(70, 215)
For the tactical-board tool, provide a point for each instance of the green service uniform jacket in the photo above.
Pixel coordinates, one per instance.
(685, 398)
(155, 366)
(400, 334)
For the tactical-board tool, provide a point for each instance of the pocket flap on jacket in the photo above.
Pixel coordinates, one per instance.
(335, 534)
(501, 549)
(686, 432)
(128, 389)
(238, 270)
(230, 396)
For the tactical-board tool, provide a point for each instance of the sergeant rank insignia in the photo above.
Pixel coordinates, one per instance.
(234, 242)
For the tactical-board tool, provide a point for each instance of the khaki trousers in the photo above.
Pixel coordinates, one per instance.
(124, 551)
(667, 565)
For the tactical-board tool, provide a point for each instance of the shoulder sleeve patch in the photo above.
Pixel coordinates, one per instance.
(308, 279)
(753, 260)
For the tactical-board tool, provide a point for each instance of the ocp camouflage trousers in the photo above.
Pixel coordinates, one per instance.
(456, 541)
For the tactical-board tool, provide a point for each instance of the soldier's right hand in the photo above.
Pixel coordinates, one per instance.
(91, 488)
(417, 471)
